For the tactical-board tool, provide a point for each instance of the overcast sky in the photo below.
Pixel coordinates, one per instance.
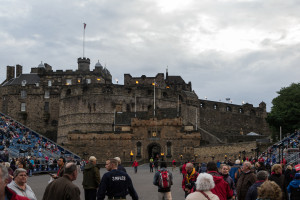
(245, 50)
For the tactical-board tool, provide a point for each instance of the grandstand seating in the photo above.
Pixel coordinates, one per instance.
(286, 148)
(20, 141)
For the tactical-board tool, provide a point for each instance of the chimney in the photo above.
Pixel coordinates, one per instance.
(10, 73)
(19, 70)
(83, 64)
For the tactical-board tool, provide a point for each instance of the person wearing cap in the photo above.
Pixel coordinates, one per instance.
(120, 167)
(91, 179)
(293, 188)
(20, 186)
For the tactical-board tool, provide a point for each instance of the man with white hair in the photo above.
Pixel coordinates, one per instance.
(204, 184)
(189, 179)
(245, 181)
(63, 188)
(120, 167)
(91, 179)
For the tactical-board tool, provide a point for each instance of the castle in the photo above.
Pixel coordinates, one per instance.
(146, 117)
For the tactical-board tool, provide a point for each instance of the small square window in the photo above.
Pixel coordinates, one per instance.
(23, 94)
(47, 94)
(88, 81)
(69, 82)
(23, 107)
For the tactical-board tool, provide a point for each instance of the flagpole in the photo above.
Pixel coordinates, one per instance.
(154, 97)
(83, 40)
(135, 105)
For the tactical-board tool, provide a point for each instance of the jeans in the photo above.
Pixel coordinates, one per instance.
(164, 196)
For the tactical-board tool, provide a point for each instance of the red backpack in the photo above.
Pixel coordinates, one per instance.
(164, 179)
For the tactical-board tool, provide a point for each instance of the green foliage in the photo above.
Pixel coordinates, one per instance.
(286, 110)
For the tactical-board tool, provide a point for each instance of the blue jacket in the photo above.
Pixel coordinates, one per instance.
(233, 170)
(294, 183)
(116, 183)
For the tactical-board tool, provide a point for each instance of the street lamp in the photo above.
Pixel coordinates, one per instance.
(225, 157)
(162, 156)
(131, 155)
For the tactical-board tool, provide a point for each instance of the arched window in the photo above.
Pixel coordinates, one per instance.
(68, 92)
(228, 109)
(139, 148)
(169, 151)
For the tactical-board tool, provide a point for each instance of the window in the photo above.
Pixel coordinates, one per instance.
(69, 82)
(215, 107)
(241, 110)
(88, 81)
(169, 152)
(49, 83)
(47, 94)
(228, 109)
(138, 146)
(23, 107)
(23, 94)
(46, 107)
(24, 82)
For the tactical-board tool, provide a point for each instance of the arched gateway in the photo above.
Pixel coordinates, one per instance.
(154, 150)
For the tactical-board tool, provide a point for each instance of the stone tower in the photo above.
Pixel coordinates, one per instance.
(83, 64)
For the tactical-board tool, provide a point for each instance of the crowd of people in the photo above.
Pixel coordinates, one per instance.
(19, 139)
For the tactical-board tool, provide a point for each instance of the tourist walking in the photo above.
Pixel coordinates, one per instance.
(163, 179)
(189, 179)
(204, 184)
(63, 188)
(115, 184)
(135, 164)
(91, 179)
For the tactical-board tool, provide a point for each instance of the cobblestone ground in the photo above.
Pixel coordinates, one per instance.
(142, 182)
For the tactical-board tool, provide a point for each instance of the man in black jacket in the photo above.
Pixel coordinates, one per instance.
(262, 176)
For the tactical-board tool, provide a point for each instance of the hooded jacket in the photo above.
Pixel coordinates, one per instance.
(91, 176)
(293, 187)
(222, 189)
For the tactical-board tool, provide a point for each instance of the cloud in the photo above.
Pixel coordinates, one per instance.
(246, 50)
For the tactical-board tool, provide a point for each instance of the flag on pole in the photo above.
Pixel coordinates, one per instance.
(84, 25)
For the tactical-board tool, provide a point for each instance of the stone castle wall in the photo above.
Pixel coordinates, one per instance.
(232, 151)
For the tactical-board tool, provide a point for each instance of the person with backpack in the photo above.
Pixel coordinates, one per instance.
(163, 179)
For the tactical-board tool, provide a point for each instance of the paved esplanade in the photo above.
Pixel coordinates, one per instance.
(142, 182)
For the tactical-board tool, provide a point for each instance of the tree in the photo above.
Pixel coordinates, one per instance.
(286, 110)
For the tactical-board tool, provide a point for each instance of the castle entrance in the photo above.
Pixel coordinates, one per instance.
(154, 150)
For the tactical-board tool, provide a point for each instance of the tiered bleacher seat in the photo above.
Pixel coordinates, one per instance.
(20, 141)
